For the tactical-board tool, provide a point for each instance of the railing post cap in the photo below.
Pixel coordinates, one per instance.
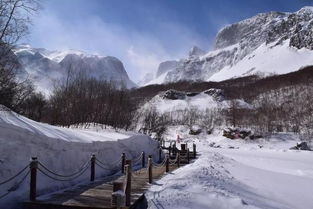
(34, 158)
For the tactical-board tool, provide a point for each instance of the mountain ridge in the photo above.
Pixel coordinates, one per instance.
(243, 48)
(44, 67)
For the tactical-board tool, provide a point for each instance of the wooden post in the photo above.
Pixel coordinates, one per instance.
(150, 168)
(160, 154)
(123, 162)
(118, 200)
(174, 149)
(194, 150)
(92, 167)
(128, 172)
(33, 178)
(167, 164)
(170, 150)
(183, 147)
(143, 159)
(188, 157)
(178, 159)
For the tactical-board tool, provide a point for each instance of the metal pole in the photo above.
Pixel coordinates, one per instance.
(194, 151)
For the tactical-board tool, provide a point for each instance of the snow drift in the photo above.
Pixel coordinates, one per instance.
(60, 149)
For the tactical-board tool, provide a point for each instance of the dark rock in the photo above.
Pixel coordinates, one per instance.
(209, 131)
(192, 94)
(195, 130)
(235, 133)
(252, 137)
(301, 146)
(173, 94)
(218, 94)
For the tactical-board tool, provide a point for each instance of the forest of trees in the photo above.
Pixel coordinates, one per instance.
(277, 103)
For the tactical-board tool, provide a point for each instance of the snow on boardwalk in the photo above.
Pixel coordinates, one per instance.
(243, 176)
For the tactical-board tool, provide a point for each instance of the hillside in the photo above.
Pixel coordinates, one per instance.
(266, 44)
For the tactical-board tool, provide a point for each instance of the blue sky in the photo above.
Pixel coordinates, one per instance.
(142, 33)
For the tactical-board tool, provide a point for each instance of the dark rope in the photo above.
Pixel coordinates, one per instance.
(57, 179)
(16, 186)
(13, 177)
(66, 176)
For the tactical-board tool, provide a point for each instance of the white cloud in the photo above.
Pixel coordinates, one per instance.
(141, 53)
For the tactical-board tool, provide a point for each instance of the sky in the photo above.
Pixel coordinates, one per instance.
(142, 33)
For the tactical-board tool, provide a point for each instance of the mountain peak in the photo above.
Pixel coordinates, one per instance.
(306, 9)
(44, 67)
(196, 51)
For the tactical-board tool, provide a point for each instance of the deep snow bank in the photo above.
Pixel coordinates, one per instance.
(60, 149)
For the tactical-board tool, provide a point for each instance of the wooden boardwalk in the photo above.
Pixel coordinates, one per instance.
(98, 194)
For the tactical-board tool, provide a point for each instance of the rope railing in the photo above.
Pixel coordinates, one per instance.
(17, 185)
(158, 165)
(91, 164)
(136, 160)
(86, 164)
(116, 163)
(106, 166)
(63, 179)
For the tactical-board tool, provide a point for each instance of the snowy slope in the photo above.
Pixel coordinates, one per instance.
(62, 150)
(45, 67)
(268, 43)
(244, 176)
(267, 60)
(201, 102)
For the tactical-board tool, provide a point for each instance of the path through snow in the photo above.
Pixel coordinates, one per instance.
(248, 177)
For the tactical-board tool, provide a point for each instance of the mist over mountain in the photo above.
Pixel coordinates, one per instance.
(45, 67)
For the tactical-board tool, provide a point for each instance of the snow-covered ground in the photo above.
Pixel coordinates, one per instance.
(62, 150)
(238, 174)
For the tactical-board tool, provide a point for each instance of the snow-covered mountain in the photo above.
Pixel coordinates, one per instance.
(44, 67)
(268, 43)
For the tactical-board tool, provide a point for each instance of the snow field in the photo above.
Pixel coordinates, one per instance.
(240, 174)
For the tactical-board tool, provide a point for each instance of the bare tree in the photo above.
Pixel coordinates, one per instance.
(15, 19)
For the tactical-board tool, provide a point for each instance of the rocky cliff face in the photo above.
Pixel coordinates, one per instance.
(246, 43)
(45, 67)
